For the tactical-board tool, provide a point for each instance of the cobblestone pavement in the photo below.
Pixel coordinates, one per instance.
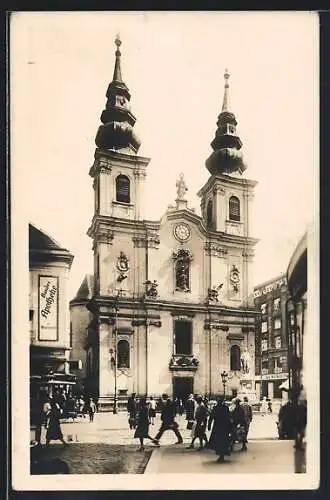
(91, 458)
(113, 429)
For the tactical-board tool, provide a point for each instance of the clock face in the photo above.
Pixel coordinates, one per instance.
(182, 232)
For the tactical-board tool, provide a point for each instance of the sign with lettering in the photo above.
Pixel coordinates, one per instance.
(269, 288)
(48, 307)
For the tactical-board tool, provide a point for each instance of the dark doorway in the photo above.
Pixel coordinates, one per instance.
(183, 337)
(182, 387)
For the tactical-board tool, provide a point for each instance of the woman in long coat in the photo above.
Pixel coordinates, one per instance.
(142, 429)
(53, 425)
(219, 439)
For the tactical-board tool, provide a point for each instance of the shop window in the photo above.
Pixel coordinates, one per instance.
(277, 323)
(183, 337)
(264, 327)
(123, 354)
(235, 358)
(278, 342)
(264, 345)
(209, 213)
(123, 189)
(234, 208)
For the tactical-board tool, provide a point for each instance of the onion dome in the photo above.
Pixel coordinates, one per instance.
(116, 131)
(227, 156)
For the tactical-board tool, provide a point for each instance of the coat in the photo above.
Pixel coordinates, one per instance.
(168, 413)
(142, 429)
(219, 438)
(53, 424)
(190, 409)
(201, 415)
(132, 406)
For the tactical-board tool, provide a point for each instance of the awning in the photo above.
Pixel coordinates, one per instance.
(285, 385)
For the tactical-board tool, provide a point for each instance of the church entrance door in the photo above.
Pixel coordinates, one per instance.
(182, 387)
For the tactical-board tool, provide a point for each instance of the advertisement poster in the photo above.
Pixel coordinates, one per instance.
(48, 307)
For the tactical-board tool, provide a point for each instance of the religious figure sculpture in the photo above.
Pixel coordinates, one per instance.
(151, 290)
(213, 293)
(181, 187)
(182, 269)
(245, 361)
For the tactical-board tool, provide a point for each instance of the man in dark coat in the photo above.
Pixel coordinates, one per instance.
(239, 424)
(219, 439)
(132, 409)
(168, 421)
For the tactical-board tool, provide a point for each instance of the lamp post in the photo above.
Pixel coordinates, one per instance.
(115, 409)
(224, 377)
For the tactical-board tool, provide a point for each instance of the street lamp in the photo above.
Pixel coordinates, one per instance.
(115, 409)
(224, 376)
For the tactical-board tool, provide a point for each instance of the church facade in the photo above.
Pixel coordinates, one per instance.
(169, 307)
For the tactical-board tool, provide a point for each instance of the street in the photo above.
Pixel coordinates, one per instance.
(108, 446)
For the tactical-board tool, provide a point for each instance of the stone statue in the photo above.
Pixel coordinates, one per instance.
(245, 361)
(151, 291)
(213, 293)
(181, 187)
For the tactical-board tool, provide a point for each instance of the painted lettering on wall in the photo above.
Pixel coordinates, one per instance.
(48, 307)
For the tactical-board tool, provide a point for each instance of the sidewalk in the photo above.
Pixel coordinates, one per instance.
(113, 429)
(262, 457)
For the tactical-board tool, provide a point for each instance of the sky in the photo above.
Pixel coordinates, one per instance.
(173, 63)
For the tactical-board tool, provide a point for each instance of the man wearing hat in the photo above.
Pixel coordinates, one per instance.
(239, 427)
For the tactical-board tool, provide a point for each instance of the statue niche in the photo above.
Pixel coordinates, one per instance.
(182, 260)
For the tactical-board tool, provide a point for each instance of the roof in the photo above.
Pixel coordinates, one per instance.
(40, 240)
(44, 248)
(85, 290)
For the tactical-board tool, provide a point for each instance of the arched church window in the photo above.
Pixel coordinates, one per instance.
(182, 259)
(235, 358)
(234, 208)
(123, 189)
(123, 354)
(209, 213)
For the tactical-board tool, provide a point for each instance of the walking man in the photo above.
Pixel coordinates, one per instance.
(248, 415)
(168, 421)
(132, 411)
(238, 419)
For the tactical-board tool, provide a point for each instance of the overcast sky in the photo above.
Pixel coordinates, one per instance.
(173, 64)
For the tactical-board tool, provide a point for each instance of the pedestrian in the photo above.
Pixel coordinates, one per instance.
(152, 410)
(82, 406)
(190, 411)
(142, 428)
(132, 408)
(91, 409)
(53, 425)
(181, 407)
(168, 421)
(248, 414)
(264, 406)
(239, 426)
(219, 439)
(199, 429)
(270, 405)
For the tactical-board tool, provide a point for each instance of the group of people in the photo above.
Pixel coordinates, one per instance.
(48, 410)
(226, 426)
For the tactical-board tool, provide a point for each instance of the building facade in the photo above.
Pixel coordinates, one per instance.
(49, 264)
(170, 307)
(271, 355)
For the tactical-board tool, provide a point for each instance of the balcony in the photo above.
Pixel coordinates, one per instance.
(183, 362)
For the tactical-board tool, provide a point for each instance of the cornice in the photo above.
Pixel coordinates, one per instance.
(109, 158)
(213, 181)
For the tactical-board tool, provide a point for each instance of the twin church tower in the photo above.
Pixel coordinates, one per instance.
(169, 307)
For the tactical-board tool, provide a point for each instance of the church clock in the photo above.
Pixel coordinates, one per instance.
(182, 232)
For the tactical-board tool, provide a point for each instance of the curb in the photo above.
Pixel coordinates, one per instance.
(155, 458)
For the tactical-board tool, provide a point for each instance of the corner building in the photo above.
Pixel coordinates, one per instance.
(170, 298)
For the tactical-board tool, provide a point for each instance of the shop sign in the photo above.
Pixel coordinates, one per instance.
(269, 288)
(48, 307)
(275, 376)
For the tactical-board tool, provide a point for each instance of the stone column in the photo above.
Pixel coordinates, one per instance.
(271, 390)
(106, 373)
